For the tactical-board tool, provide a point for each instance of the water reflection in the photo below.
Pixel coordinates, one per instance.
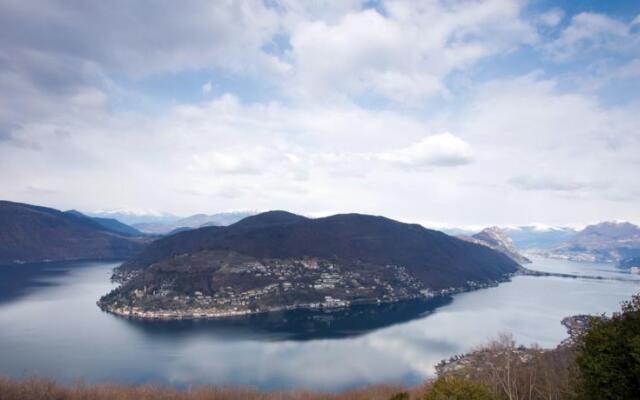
(299, 324)
(20, 280)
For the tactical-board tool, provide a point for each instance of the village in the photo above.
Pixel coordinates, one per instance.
(275, 285)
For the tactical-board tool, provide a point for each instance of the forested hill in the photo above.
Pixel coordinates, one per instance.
(432, 257)
(31, 233)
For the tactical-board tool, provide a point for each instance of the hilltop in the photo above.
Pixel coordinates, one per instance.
(498, 240)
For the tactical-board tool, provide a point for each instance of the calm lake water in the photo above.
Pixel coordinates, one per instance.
(50, 326)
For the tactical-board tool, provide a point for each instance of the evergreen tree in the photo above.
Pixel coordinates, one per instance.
(609, 356)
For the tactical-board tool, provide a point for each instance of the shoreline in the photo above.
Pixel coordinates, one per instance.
(196, 313)
(68, 260)
(175, 315)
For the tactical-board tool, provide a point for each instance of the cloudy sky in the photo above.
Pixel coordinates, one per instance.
(438, 112)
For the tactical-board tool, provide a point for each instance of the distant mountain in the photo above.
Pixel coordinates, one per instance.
(227, 218)
(160, 228)
(111, 224)
(131, 216)
(278, 259)
(194, 221)
(498, 240)
(603, 242)
(31, 233)
(526, 237)
(539, 237)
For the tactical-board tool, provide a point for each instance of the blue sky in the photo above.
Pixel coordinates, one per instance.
(186, 86)
(439, 112)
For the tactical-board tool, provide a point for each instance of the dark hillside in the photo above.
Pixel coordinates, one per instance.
(110, 224)
(432, 257)
(32, 233)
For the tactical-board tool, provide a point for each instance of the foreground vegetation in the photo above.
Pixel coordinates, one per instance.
(603, 363)
(41, 389)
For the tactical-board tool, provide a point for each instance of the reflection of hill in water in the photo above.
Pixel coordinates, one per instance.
(298, 324)
(22, 280)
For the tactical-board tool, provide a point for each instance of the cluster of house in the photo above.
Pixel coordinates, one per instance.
(281, 284)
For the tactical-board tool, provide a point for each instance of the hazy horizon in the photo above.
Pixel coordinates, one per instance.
(152, 215)
(443, 113)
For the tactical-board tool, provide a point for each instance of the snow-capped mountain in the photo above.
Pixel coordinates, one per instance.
(603, 242)
(526, 237)
(538, 236)
(132, 216)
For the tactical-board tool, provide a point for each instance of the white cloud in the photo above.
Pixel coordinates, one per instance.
(592, 31)
(154, 36)
(443, 149)
(343, 158)
(316, 148)
(553, 183)
(338, 50)
(572, 154)
(405, 54)
(57, 52)
(227, 163)
(551, 18)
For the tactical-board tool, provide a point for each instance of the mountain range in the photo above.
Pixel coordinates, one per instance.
(526, 237)
(31, 233)
(603, 242)
(614, 242)
(131, 216)
(192, 222)
(110, 224)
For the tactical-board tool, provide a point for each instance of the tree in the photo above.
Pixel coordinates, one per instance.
(453, 388)
(513, 372)
(609, 356)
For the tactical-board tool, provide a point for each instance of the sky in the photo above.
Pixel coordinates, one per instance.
(445, 113)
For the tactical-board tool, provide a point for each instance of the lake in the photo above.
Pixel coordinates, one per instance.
(50, 326)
